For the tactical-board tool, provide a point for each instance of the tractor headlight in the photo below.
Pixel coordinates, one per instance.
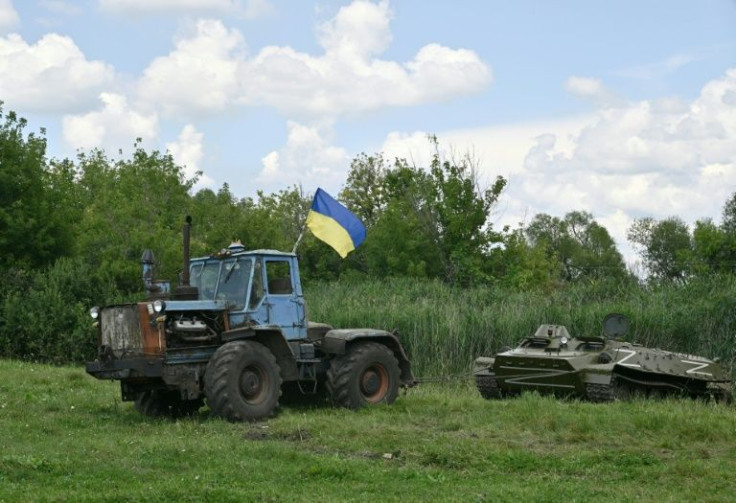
(94, 312)
(159, 305)
(563, 341)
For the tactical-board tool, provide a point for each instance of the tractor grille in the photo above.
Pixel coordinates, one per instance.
(121, 329)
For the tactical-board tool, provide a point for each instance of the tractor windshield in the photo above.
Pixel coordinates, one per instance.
(223, 280)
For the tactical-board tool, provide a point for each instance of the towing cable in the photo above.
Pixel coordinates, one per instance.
(451, 377)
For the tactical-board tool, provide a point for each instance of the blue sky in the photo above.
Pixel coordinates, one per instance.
(623, 109)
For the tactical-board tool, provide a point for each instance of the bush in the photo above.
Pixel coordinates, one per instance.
(45, 313)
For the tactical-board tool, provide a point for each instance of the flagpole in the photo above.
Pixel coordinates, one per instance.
(301, 233)
(299, 239)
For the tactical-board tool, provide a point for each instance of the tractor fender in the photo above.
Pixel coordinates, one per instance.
(337, 341)
(237, 334)
(271, 337)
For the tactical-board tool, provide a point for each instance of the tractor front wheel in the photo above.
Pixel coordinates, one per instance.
(367, 374)
(242, 381)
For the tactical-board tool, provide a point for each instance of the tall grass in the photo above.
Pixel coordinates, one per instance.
(445, 328)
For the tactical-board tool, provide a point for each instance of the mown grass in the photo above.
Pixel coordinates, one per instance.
(444, 328)
(68, 437)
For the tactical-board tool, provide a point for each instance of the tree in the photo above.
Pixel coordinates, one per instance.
(714, 246)
(728, 227)
(276, 220)
(582, 248)
(729, 216)
(458, 211)
(665, 247)
(440, 213)
(130, 205)
(450, 211)
(521, 265)
(711, 250)
(364, 192)
(34, 228)
(219, 219)
(399, 245)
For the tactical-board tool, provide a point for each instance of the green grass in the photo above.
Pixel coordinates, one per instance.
(68, 437)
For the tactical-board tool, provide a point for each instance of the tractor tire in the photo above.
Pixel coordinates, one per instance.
(242, 381)
(367, 374)
(160, 403)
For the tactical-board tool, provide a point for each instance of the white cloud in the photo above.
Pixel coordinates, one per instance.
(210, 70)
(501, 150)
(188, 152)
(200, 75)
(498, 150)
(643, 159)
(307, 159)
(438, 73)
(115, 125)
(584, 86)
(51, 75)
(9, 18)
(359, 30)
(352, 80)
(245, 8)
(591, 89)
(648, 158)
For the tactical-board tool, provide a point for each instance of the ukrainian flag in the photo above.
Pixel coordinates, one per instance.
(334, 224)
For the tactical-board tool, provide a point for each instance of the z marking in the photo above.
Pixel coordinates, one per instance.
(631, 353)
(698, 366)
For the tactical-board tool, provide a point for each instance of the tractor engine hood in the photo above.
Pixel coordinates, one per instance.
(178, 306)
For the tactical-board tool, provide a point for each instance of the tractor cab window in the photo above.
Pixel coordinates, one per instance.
(278, 273)
(233, 284)
(195, 274)
(256, 291)
(204, 277)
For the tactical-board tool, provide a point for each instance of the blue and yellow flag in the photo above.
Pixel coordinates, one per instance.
(334, 224)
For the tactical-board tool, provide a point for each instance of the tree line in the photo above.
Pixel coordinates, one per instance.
(72, 232)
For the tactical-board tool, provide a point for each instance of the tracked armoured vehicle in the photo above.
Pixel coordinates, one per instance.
(597, 368)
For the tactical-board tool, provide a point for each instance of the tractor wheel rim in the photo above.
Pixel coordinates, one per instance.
(253, 384)
(374, 383)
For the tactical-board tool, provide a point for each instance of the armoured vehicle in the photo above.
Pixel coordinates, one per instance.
(233, 333)
(597, 368)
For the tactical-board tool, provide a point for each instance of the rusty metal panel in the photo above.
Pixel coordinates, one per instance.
(153, 340)
(121, 329)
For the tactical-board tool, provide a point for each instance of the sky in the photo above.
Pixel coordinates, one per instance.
(623, 109)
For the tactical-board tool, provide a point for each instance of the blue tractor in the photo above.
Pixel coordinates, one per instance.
(235, 332)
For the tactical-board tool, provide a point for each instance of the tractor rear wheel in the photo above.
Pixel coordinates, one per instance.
(242, 381)
(161, 403)
(367, 374)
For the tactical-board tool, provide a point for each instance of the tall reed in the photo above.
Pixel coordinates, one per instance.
(444, 328)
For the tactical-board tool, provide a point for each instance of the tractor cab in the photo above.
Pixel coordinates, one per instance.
(259, 288)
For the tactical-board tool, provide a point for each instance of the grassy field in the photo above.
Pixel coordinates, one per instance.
(68, 437)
